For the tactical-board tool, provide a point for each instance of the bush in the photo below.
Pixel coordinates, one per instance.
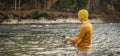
(36, 14)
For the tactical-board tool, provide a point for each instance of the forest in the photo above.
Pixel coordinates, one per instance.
(52, 9)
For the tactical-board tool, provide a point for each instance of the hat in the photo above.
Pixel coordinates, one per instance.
(83, 14)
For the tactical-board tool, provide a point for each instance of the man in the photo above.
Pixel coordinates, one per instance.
(84, 37)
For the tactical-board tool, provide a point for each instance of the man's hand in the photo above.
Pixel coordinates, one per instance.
(68, 39)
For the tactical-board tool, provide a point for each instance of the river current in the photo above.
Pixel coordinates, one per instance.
(47, 39)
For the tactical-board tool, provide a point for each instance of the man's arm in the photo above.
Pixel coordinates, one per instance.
(78, 39)
(80, 35)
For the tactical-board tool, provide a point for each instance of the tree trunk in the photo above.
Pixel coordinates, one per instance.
(15, 4)
(36, 4)
(50, 3)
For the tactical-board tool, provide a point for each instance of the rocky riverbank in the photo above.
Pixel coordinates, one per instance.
(59, 20)
(28, 17)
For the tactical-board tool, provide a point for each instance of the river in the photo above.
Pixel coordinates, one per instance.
(47, 39)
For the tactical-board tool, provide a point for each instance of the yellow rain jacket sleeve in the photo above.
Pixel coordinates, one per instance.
(83, 39)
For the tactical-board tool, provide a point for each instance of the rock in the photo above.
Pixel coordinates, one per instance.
(118, 52)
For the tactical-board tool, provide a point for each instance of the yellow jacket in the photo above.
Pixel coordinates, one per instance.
(84, 37)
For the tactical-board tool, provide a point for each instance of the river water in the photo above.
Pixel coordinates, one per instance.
(47, 39)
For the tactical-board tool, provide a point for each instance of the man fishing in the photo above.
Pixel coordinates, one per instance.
(84, 37)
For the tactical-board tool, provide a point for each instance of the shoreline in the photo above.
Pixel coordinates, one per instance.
(45, 21)
(53, 17)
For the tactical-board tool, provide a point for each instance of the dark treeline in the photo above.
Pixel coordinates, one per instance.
(61, 5)
(52, 9)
